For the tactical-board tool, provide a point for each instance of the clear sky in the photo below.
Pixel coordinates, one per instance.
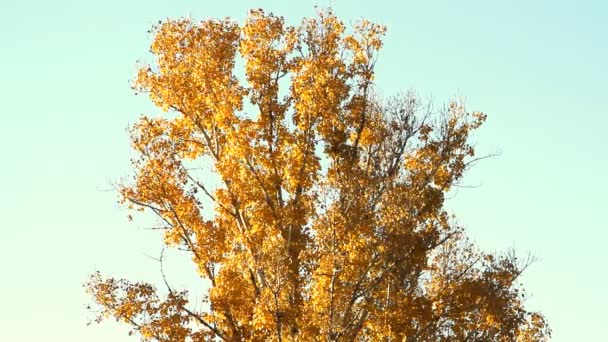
(537, 68)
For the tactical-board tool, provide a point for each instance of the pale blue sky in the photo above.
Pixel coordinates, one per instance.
(537, 68)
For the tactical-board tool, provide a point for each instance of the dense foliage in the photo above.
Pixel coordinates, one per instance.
(328, 220)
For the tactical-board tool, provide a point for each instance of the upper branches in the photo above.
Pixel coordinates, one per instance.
(328, 219)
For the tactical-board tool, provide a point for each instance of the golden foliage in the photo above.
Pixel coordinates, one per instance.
(329, 220)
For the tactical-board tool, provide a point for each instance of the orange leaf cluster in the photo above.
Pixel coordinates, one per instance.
(328, 206)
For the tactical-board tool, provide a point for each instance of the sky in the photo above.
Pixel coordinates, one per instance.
(538, 69)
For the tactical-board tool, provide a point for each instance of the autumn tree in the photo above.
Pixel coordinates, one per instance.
(328, 210)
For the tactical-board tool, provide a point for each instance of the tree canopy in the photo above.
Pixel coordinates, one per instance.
(327, 215)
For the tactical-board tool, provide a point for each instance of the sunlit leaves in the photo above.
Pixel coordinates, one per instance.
(328, 210)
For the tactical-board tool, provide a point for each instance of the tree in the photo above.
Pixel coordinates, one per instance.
(328, 220)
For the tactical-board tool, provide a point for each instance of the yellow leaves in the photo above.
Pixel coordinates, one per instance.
(265, 48)
(194, 71)
(364, 45)
(442, 177)
(324, 219)
(138, 304)
(263, 320)
(535, 329)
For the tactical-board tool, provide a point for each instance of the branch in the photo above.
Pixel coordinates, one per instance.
(213, 329)
(202, 186)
